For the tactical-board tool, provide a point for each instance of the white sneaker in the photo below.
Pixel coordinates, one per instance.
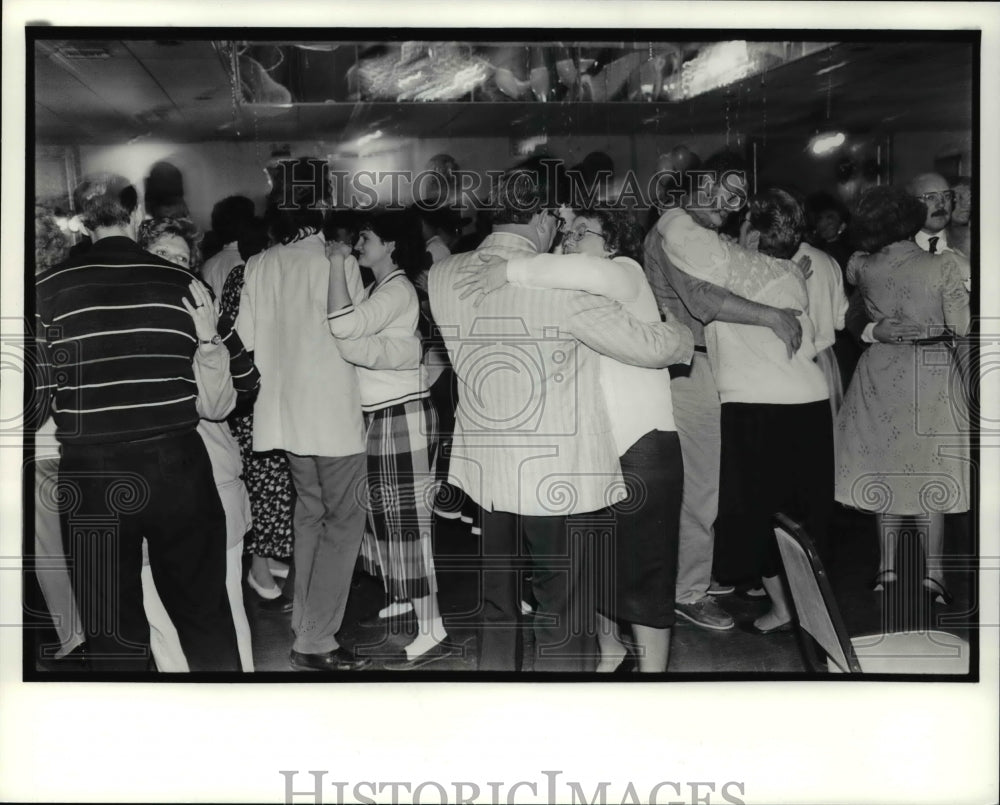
(395, 609)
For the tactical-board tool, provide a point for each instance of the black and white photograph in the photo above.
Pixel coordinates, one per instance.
(596, 399)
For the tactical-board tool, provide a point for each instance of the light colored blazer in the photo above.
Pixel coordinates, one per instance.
(309, 403)
(532, 432)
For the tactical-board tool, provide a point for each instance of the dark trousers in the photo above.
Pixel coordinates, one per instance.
(555, 550)
(114, 495)
(775, 458)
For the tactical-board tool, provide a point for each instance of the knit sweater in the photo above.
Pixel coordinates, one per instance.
(117, 346)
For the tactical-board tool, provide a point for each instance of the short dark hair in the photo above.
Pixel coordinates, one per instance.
(229, 215)
(252, 238)
(527, 189)
(341, 219)
(885, 215)
(152, 229)
(105, 200)
(622, 233)
(779, 219)
(818, 203)
(164, 191)
(401, 227)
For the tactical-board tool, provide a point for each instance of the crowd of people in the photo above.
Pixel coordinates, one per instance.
(294, 395)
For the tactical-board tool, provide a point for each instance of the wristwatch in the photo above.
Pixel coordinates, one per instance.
(215, 340)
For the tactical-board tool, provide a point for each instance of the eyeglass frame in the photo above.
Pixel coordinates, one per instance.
(578, 234)
(936, 195)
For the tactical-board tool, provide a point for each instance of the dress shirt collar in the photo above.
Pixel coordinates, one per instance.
(923, 241)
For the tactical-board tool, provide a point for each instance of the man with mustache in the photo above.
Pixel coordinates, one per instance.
(933, 190)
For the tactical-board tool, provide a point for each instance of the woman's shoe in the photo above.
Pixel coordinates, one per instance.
(937, 590)
(628, 665)
(268, 594)
(882, 578)
(278, 568)
(752, 628)
(395, 610)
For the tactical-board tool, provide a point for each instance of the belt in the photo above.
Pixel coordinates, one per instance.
(702, 350)
(944, 338)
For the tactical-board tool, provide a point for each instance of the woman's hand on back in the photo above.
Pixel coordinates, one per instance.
(484, 279)
(203, 312)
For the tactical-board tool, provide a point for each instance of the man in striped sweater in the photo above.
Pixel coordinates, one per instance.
(118, 346)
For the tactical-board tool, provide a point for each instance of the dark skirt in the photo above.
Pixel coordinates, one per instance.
(775, 458)
(640, 569)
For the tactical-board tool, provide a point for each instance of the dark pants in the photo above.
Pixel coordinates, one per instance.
(561, 583)
(163, 490)
(775, 458)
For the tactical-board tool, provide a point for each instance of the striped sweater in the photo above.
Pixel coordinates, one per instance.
(117, 345)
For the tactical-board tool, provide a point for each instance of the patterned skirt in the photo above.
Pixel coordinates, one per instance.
(272, 495)
(402, 447)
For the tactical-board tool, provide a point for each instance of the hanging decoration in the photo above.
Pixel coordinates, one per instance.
(278, 74)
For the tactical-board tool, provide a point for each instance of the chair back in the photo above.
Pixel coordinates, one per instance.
(818, 613)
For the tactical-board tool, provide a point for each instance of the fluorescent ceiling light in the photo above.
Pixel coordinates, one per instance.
(825, 143)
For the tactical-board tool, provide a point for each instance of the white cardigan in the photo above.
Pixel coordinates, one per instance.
(379, 336)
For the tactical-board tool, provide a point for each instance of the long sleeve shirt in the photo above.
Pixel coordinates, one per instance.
(692, 301)
(532, 431)
(751, 363)
(117, 346)
(379, 336)
(638, 399)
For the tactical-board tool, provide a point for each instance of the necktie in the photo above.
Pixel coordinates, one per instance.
(932, 245)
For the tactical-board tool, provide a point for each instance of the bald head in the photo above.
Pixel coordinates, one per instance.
(933, 190)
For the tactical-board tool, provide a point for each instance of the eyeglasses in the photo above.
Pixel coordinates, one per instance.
(937, 197)
(578, 233)
(560, 221)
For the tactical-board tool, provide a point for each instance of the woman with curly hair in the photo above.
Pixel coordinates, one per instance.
(600, 255)
(378, 334)
(175, 239)
(903, 447)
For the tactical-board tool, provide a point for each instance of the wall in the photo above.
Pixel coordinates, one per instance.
(915, 152)
(211, 170)
(214, 170)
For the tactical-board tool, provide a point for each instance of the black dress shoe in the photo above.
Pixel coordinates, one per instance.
(280, 605)
(441, 651)
(340, 659)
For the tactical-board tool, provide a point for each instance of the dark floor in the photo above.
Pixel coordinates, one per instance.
(693, 650)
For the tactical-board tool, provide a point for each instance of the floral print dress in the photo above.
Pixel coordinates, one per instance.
(266, 475)
(903, 430)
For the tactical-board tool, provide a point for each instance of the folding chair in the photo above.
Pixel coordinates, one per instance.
(928, 652)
